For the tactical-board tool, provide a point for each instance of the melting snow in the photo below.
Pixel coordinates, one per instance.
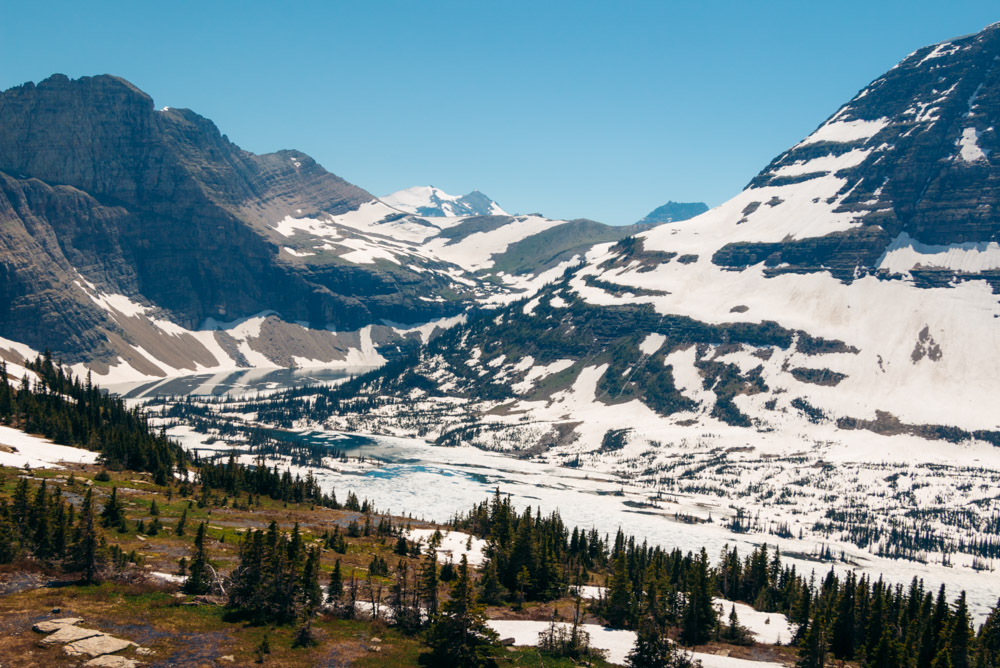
(38, 452)
(767, 627)
(906, 253)
(970, 150)
(652, 343)
(453, 545)
(846, 131)
(826, 163)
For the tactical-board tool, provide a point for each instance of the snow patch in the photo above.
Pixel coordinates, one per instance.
(843, 132)
(653, 342)
(906, 253)
(453, 545)
(969, 149)
(38, 452)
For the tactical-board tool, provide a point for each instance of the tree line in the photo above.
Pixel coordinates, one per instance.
(75, 413)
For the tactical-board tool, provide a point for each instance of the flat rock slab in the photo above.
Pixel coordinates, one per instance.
(112, 661)
(69, 633)
(97, 645)
(55, 624)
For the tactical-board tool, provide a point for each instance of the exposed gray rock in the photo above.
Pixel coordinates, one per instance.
(55, 624)
(69, 633)
(97, 645)
(112, 661)
(673, 212)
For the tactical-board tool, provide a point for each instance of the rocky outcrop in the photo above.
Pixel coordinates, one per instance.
(673, 212)
(77, 641)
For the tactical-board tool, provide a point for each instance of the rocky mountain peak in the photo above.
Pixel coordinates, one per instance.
(912, 159)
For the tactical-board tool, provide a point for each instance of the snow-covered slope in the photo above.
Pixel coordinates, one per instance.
(165, 249)
(434, 202)
(828, 335)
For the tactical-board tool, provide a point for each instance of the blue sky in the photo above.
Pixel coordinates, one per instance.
(602, 110)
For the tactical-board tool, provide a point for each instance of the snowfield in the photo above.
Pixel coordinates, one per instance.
(19, 449)
(454, 544)
(617, 643)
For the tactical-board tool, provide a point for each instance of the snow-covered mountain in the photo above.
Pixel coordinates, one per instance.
(841, 315)
(431, 201)
(853, 283)
(141, 243)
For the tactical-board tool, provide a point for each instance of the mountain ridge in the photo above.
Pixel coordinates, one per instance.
(851, 281)
(141, 243)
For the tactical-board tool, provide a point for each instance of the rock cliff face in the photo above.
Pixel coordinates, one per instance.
(102, 194)
(144, 242)
(915, 157)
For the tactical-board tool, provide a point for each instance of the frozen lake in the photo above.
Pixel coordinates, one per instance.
(433, 483)
(428, 482)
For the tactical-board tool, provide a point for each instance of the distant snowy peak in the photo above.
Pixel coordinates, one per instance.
(435, 203)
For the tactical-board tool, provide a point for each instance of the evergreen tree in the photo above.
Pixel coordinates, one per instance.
(311, 592)
(460, 636)
(199, 580)
(886, 652)
(960, 634)
(699, 618)
(84, 553)
(429, 583)
(113, 514)
(988, 640)
(335, 587)
(813, 652)
(179, 529)
(842, 630)
(491, 591)
(736, 633)
(617, 608)
(653, 649)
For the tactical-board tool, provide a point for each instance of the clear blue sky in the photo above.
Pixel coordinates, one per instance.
(602, 110)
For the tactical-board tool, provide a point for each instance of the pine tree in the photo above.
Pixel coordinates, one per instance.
(179, 529)
(429, 583)
(886, 652)
(199, 580)
(113, 514)
(491, 591)
(960, 634)
(460, 636)
(311, 592)
(842, 630)
(20, 504)
(85, 550)
(813, 652)
(653, 649)
(800, 613)
(617, 609)
(736, 633)
(988, 640)
(335, 588)
(699, 618)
